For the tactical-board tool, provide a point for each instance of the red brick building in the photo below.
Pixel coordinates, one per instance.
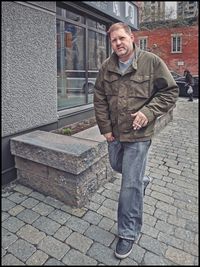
(177, 46)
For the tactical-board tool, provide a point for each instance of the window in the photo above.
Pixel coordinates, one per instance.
(176, 43)
(78, 58)
(143, 43)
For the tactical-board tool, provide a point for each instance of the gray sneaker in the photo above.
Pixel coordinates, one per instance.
(123, 248)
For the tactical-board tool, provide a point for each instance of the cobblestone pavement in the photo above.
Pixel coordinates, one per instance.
(39, 230)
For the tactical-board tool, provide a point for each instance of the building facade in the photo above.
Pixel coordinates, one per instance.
(151, 11)
(177, 45)
(187, 9)
(51, 53)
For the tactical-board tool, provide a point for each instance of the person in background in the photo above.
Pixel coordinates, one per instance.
(132, 89)
(189, 84)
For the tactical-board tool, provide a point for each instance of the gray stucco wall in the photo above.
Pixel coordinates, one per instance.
(29, 68)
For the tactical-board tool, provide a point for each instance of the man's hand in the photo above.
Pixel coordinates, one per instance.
(109, 137)
(140, 120)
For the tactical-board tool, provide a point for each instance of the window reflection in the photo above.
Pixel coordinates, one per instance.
(76, 74)
(97, 50)
(74, 40)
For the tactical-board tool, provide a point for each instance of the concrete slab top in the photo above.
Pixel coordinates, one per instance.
(67, 144)
(92, 133)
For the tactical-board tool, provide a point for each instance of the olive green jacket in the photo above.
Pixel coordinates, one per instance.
(146, 86)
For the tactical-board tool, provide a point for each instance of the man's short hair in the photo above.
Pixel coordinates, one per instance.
(117, 26)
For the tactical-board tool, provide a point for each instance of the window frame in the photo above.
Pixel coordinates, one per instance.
(175, 37)
(86, 28)
(141, 43)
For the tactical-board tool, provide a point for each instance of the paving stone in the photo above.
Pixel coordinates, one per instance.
(106, 223)
(111, 204)
(12, 224)
(160, 214)
(16, 210)
(78, 212)
(176, 221)
(59, 216)
(7, 238)
(92, 206)
(166, 207)
(150, 200)
(53, 247)
(186, 214)
(53, 202)
(153, 245)
(196, 240)
(128, 262)
(80, 242)
(37, 195)
(191, 248)
(148, 208)
(3, 252)
(154, 260)
(29, 202)
(103, 254)
(179, 257)
(4, 216)
(92, 217)
(114, 229)
(99, 235)
(165, 227)
(162, 197)
(46, 225)
(97, 198)
(31, 234)
(62, 233)
(28, 216)
(22, 249)
(112, 187)
(137, 253)
(111, 194)
(17, 197)
(192, 226)
(74, 257)
(76, 224)
(184, 234)
(53, 262)
(43, 209)
(38, 258)
(171, 240)
(148, 230)
(9, 260)
(148, 219)
(111, 214)
(162, 189)
(7, 204)
(23, 189)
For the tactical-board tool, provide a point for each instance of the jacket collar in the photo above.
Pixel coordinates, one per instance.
(113, 60)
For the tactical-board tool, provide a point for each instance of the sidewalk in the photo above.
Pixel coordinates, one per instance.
(39, 230)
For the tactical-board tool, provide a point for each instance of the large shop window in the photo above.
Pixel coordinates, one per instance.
(78, 58)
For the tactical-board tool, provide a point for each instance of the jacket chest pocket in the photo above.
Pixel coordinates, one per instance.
(111, 85)
(139, 87)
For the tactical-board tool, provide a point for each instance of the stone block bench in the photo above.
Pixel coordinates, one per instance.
(69, 168)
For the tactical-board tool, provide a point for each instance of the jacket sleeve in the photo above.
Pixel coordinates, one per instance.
(165, 91)
(101, 107)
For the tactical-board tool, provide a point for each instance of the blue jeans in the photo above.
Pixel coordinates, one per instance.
(129, 158)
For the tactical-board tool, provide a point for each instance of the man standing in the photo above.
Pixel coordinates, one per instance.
(132, 89)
